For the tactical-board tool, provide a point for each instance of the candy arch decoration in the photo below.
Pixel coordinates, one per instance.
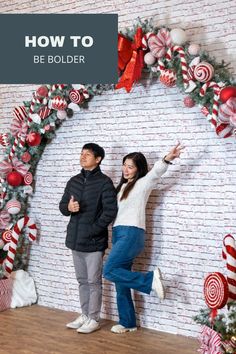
(161, 52)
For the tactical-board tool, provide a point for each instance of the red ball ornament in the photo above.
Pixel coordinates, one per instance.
(33, 139)
(189, 102)
(227, 92)
(14, 178)
(42, 91)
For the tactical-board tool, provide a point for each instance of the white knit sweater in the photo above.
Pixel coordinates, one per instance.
(131, 211)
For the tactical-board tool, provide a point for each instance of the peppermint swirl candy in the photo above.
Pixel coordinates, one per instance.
(4, 139)
(28, 179)
(6, 236)
(76, 96)
(216, 290)
(203, 72)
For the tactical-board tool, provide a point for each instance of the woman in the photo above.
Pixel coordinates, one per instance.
(128, 234)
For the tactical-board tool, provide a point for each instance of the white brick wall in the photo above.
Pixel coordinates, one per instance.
(194, 205)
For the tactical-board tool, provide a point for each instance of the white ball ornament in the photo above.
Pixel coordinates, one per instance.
(13, 206)
(28, 189)
(61, 115)
(194, 49)
(74, 107)
(149, 59)
(178, 36)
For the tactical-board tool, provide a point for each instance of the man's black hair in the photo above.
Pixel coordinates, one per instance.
(97, 150)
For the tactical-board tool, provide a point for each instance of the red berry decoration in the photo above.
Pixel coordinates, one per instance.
(42, 91)
(26, 157)
(33, 139)
(189, 102)
(14, 178)
(227, 92)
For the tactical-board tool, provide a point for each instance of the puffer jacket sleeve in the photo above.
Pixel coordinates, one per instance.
(109, 208)
(63, 205)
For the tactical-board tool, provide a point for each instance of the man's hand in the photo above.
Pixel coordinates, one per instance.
(73, 205)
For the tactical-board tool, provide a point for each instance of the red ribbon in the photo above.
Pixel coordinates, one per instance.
(130, 59)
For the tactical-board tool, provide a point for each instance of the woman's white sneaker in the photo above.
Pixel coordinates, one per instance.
(78, 322)
(121, 329)
(89, 326)
(157, 285)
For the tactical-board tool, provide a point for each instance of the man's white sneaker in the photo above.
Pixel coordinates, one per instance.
(121, 329)
(157, 285)
(78, 322)
(89, 326)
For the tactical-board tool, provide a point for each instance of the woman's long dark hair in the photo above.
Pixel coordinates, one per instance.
(140, 162)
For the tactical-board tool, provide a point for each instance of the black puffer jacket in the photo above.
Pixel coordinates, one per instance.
(87, 229)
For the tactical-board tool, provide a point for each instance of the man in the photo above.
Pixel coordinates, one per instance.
(90, 201)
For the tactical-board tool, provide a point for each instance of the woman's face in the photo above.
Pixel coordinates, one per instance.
(129, 169)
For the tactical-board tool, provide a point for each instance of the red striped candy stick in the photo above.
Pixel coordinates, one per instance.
(229, 254)
(55, 87)
(216, 89)
(183, 62)
(21, 223)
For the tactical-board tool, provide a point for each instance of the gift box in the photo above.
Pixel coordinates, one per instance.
(211, 342)
(6, 286)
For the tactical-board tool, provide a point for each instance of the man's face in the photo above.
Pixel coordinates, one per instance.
(87, 160)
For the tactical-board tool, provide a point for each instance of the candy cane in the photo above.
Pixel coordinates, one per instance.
(21, 223)
(229, 254)
(216, 89)
(55, 87)
(183, 62)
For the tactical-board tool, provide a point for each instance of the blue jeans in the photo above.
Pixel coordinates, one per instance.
(127, 243)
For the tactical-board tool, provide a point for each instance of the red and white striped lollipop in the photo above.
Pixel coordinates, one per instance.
(229, 254)
(203, 72)
(6, 236)
(28, 178)
(216, 290)
(76, 96)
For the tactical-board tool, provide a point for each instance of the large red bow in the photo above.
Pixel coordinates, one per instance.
(130, 58)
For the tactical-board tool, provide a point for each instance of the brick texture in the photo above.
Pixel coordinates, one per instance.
(194, 205)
